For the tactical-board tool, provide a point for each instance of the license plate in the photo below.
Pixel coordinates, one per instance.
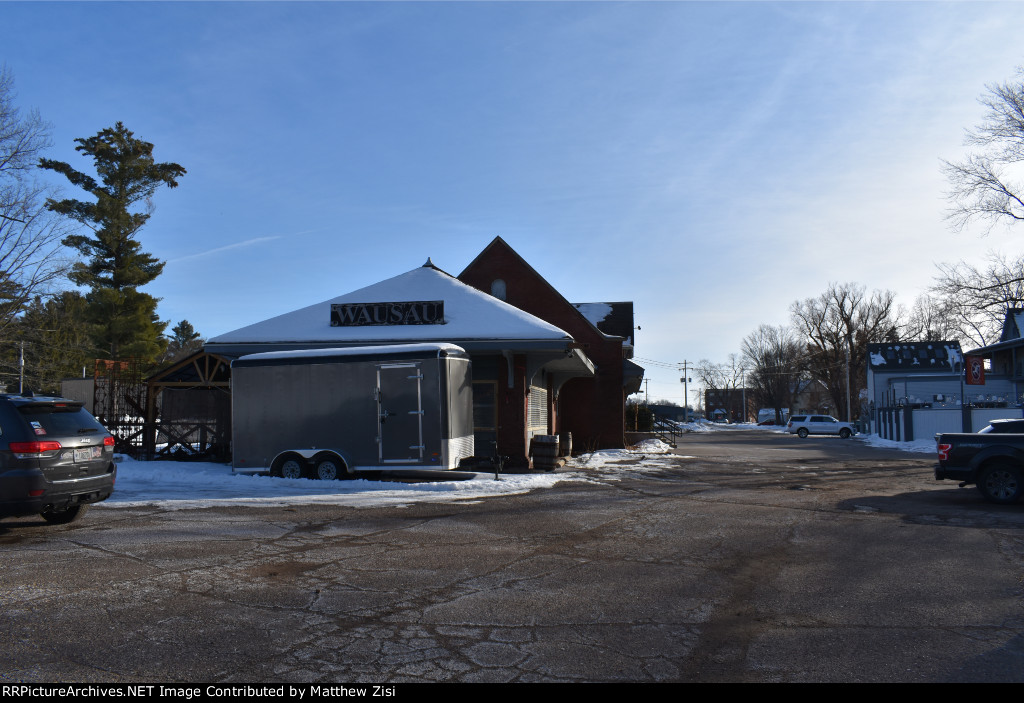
(87, 454)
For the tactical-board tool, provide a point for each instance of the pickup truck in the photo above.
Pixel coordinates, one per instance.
(992, 459)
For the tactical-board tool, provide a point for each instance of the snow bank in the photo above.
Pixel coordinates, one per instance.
(177, 485)
(923, 446)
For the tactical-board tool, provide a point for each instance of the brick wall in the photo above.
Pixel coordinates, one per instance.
(592, 409)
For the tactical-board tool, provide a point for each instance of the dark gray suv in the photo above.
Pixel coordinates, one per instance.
(55, 458)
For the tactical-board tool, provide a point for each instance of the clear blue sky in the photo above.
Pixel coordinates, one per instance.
(712, 162)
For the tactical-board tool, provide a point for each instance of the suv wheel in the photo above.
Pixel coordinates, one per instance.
(844, 433)
(64, 516)
(802, 433)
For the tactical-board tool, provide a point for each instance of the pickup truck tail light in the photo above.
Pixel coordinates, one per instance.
(944, 451)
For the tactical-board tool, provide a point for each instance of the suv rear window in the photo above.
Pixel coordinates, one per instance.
(67, 421)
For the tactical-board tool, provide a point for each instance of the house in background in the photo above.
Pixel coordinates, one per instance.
(916, 389)
(812, 398)
(1006, 357)
(729, 404)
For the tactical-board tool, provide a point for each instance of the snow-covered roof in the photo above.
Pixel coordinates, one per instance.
(916, 356)
(468, 315)
(611, 319)
(595, 312)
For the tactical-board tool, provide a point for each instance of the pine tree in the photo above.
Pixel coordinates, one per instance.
(123, 318)
(183, 340)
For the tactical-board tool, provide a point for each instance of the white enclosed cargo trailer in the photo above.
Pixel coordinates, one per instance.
(327, 413)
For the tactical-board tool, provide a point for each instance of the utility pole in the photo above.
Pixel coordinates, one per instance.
(743, 393)
(685, 367)
(848, 415)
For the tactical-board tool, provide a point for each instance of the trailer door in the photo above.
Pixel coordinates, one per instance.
(399, 413)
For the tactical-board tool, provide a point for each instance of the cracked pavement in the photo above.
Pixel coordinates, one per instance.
(744, 556)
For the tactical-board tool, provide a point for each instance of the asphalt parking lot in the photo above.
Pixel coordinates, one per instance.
(745, 556)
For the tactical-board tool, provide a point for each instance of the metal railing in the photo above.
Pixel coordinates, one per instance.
(666, 430)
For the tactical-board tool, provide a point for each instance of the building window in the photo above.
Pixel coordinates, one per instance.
(485, 416)
(498, 288)
(537, 411)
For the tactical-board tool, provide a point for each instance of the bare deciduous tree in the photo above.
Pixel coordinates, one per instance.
(725, 376)
(976, 300)
(932, 319)
(728, 378)
(988, 184)
(836, 328)
(30, 235)
(775, 358)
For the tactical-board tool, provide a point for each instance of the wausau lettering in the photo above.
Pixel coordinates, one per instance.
(420, 312)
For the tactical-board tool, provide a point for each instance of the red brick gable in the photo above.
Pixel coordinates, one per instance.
(592, 409)
(529, 291)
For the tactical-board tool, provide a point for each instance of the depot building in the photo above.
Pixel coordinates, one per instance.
(540, 364)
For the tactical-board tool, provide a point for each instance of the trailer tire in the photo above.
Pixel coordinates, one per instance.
(289, 467)
(328, 470)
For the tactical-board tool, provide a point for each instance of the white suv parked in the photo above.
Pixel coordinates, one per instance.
(803, 425)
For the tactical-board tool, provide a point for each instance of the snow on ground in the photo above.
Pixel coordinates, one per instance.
(922, 446)
(178, 485)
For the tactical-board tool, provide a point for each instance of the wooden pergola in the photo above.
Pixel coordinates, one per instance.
(188, 409)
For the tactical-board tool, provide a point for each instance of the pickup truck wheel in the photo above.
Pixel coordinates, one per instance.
(802, 433)
(1001, 483)
(844, 433)
(63, 517)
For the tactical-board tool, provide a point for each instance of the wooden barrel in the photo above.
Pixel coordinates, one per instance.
(565, 444)
(544, 448)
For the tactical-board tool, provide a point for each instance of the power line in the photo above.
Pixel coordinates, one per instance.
(675, 366)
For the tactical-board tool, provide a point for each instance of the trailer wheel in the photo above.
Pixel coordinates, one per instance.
(289, 467)
(328, 470)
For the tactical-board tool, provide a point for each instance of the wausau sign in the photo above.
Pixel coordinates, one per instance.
(421, 312)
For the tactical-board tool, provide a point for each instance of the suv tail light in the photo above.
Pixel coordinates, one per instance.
(26, 450)
(108, 441)
(944, 451)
